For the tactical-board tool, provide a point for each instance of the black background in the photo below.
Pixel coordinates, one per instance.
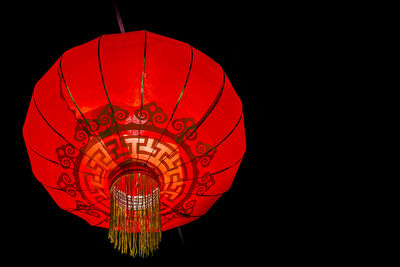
(258, 219)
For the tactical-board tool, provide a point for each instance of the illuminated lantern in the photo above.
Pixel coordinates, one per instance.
(137, 133)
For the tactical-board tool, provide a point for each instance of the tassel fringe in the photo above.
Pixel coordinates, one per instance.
(135, 225)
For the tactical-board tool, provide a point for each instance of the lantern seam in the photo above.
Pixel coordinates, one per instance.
(226, 137)
(194, 194)
(108, 98)
(182, 213)
(55, 162)
(200, 122)
(141, 93)
(40, 113)
(214, 173)
(176, 106)
(76, 105)
(102, 221)
(57, 188)
(88, 206)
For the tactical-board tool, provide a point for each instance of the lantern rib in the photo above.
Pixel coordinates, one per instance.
(80, 112)
(141, 94)
(213, 148)
(210, 174)
(55, 162)
(88, 206)
(182, 213)
(199, 195)
(102, 221)
(200, 122)
(177, 103)
(205, 116)
(108, 97)
(52, 128)
(57, 188)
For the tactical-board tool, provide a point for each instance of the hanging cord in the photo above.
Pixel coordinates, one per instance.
(120, 24)
(181, 236)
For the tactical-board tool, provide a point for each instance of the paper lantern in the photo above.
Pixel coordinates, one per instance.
(137, 133)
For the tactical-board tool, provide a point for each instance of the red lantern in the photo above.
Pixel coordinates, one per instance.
(137, 133)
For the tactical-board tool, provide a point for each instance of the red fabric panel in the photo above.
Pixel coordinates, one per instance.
(122, 57)
(81, 72)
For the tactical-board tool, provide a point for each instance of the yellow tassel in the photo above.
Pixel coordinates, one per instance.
(135, 224)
